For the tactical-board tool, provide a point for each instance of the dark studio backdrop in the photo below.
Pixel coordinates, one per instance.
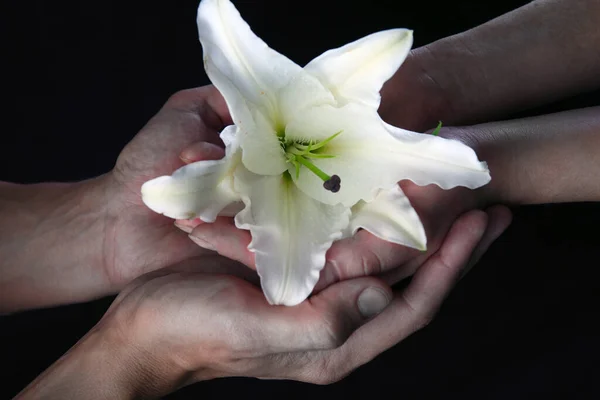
(79, 79)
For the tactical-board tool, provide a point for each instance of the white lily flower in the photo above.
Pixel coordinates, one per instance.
(308, 156)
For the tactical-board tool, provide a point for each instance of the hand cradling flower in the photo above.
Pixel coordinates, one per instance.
(309, 160)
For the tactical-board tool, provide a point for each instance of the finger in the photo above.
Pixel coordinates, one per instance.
(434, 280)
(400, 273)
(226, 239)
(406, 270)
(499, 219)
(361, 255)
(188, 225)
(324, 321)
(201, 151)
(414, 307)
(213, 265)
(196, 100)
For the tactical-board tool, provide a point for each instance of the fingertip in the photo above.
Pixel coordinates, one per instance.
(187, 225)
(225, 238)
(500, 217)
(201, 151)
(473, 222)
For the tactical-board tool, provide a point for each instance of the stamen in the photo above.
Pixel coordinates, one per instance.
(313, 168)
(333, 184)
(324, 142)
(298, 154)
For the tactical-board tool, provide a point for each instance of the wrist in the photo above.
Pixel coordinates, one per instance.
(414, 97)
(486, 150)
(103, 365)
(136, 370)
(63, 221)
(411, 99)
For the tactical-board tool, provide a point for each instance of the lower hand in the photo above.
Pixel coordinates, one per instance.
(177, 326)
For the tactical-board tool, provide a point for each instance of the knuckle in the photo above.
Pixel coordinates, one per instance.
(370, 262)
(424, 319)
(420, 316)
(188, 100)
(327, 371)
(179, 97)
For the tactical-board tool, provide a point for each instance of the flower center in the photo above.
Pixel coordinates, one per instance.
(299, 155)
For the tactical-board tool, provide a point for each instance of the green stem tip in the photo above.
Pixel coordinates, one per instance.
(436, 131)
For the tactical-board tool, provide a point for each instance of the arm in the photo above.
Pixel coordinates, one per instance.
(48, 232)
(548, 159)
(102, 366)
(539, 53)
(64, 243)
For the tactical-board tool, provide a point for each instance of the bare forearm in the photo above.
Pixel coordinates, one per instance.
(549, 159)
(51, 238)
(100, 367)
(539, 53)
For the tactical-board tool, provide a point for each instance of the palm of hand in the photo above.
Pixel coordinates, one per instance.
(139, 240)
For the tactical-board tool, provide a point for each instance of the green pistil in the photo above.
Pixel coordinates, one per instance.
(298, 154)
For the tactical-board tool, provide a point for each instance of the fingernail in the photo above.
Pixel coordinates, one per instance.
(202, 243)
(372, 301)
(185, 228)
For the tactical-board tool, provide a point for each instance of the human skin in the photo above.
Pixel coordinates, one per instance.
(177, 326)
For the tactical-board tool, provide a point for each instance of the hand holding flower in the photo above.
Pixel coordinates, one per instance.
(309, 157)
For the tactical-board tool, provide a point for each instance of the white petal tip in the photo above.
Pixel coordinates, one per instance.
(288, 301)
(153, 197)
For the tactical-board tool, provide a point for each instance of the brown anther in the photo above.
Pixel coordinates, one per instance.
(333, 184)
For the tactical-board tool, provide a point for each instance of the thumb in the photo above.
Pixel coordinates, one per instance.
(326, 320)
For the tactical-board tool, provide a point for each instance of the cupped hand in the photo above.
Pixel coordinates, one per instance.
(137, 239)
(187, 326)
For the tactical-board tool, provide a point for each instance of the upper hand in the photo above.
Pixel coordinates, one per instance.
(137, 239)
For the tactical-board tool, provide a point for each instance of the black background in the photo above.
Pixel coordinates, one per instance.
(79, 79)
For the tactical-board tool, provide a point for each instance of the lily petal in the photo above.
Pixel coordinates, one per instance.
(249, 75)
(198, 190)
(256, 70)
(357, 71)
(372, 155)
(304, 91)
(291, 233)
(390, 217)
(262, 152)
